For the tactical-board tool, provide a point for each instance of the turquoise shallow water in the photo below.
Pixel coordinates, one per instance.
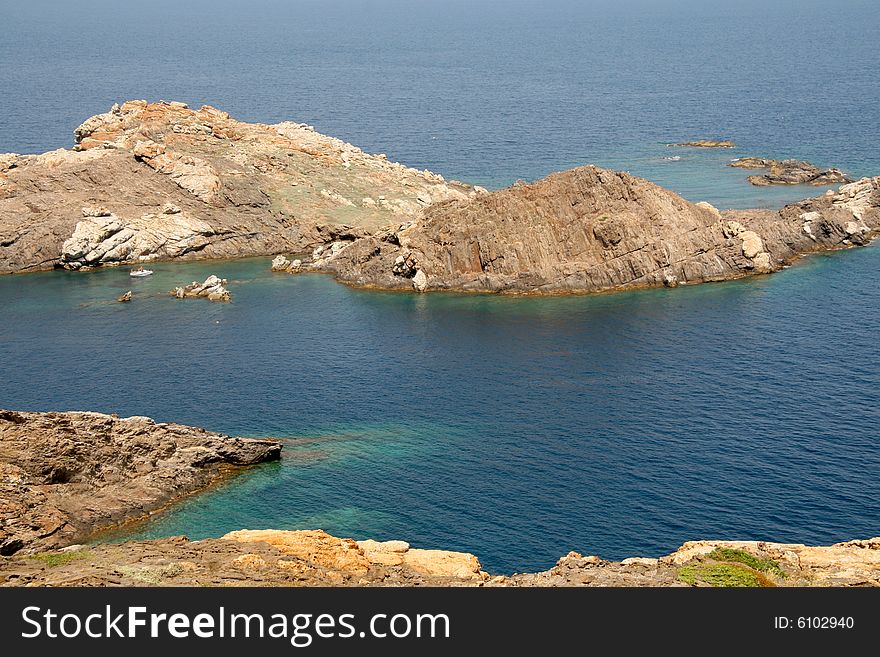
(517, 429)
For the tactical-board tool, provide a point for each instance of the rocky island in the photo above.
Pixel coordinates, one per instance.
(707, 143)
(789, 172)
(148, 181)
(64, 477)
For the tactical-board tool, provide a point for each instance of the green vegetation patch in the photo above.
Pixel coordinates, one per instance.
(734, 555)
(723, 575)
(52, 559)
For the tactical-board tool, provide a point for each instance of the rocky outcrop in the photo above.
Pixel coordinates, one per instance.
(213, 289)
(590, 230)
(64, 476)
(789, 172)
(315, 558)
(707, 143)
(280, 263)
(149, 181)
(724, 563)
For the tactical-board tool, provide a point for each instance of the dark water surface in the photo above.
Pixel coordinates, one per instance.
(517, 429)
(514, 428)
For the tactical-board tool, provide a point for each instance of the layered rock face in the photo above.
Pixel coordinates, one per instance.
(789, 172)
(591, 230)
(64, 476)
(159, 180)
(315, 558)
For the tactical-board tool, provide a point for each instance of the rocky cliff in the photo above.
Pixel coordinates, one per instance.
(591, 230)
(64, 476)
(149, 181)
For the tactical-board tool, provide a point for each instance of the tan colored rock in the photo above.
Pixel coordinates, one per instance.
(314, 546)
(751, 244)
(387, 553)
(711, 208)
(420, 281)
(213, 288)
(648, 562)
(250, 561)
(440, 563)
(763, 263)
(789, 172)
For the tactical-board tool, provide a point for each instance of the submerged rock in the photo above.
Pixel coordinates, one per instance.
(789, 172)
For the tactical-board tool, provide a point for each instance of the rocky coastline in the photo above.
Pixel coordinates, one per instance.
(160, 181)
(315, 558)
(65, 477)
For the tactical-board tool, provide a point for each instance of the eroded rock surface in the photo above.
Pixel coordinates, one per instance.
(789, 172)
(63, 476)
(315, 558)
(149, 181)
(590, 230)
(724, 563)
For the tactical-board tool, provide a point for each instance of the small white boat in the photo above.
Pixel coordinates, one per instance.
(140, 272)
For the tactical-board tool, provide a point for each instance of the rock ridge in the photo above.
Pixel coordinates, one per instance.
(593, 230)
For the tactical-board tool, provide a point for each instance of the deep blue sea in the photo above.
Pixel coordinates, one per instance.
(517, 429)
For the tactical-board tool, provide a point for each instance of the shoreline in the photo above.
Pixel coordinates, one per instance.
(303, 558)
(307, 557)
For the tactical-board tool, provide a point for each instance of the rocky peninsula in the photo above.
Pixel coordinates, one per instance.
(594, 230)
(148, 181)
(64, 477)
(789, 172)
